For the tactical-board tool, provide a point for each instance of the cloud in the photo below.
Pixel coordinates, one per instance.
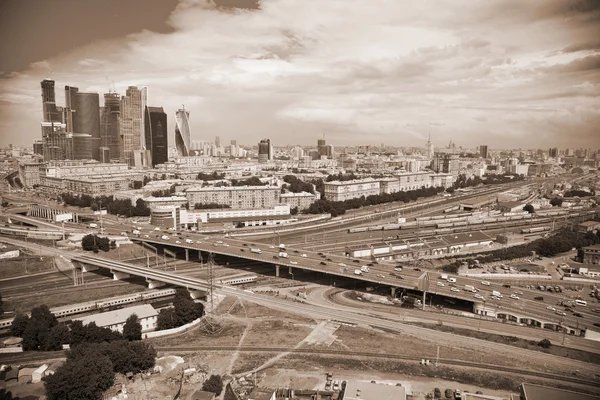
(357, 71)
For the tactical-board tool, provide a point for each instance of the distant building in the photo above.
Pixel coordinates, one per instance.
(530, 391)
(85, 114)
(483, 151)
(264, 151)
(49, 109)
(131, 124)
(156, 134)
(589, 226)
(110, 135)
(57, 143)
(182, 132)
(115, 320)
(301, 200)
(82, 146)
(346, 190)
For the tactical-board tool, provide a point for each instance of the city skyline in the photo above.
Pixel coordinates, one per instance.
(458, 71)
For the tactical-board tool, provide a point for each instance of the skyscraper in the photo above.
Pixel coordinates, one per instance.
(110, 134)
(429, 148)
(553, 152)
(49, 109)
(264, 149)
(483, 151)
(131, 125)
(155, 121)
(82, 115)
(182, 132)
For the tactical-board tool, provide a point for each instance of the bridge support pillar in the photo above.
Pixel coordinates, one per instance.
(393, 292)
(88, 268)
(117, 276)
(187, 254)
(154, 284)
(277, 270)
(290, 271)
(197, 294)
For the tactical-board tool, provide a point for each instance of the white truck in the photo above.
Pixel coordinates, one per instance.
(189, 241)
(93, 225)
(444, 277)
(470, 288)
(283, 254)
(136, 232)
(164, 237)
(255, 251)
(282, 247)
(497, 294)
(357, 272)
(364, 268)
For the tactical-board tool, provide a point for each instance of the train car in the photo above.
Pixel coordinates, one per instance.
(376, 228)
(449, 210)
(452, 225)
(536, 229)
(239, 281)
(6, 323)
(357, 230)
(391, 227)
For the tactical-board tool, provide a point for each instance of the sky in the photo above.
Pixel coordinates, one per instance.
(506, 73)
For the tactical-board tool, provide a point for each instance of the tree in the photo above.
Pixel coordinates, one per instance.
(214, 384)
(38, 328)
(544, 343)
(19, 324)
(88, 243)
(58, 335)
(185, 309)
(165, 319)
(1, 305)
(132, 330)
(84, 377)
(556, 202)
(529, 208)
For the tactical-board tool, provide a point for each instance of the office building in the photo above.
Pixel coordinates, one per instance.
(110, 133)
(155, 121)
(38, 147)
(57, 144)
(217, 141)
(553, 152)
(182, 132)
(49, 109)
(104, 155)
(82, 146)
(236, 197)
(483, 151)
(82, 114)
(130, 124)
(264, 151)
(321, 149)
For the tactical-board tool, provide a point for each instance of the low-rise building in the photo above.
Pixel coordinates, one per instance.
(115, 320)
(361, 390)
(346, 190)
(530, 391)
(301, 200)
(589, 226)
(591, 254)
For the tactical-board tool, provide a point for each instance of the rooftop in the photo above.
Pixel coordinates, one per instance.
(462, 238)
(120, 316)
(356, 390)
(538, 392)
(589, 223)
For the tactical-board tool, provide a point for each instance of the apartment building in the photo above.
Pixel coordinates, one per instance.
(346, 190)
(301, 200)
(236, 197)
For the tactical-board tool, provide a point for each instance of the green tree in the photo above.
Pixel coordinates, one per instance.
(19, 324)
(165, 319)
(132, 330)
(214, 384)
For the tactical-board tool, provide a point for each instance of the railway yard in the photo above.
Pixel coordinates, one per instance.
(267, 324)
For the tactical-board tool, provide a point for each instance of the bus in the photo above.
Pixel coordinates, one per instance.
(581, 302)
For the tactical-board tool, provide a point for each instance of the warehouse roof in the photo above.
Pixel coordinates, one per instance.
(463, 238)
(373, 391)
(120, 316)
(538, 392)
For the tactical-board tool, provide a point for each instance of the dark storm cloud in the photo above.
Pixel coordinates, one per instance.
(587, 46)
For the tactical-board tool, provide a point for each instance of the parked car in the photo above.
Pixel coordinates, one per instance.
(323, 263)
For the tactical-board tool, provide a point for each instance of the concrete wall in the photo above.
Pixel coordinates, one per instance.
(171, 331)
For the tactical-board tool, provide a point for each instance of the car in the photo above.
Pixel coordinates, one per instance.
(514, 297)
(271, 247)
(219, 241)
(336, 386)
(518, 292)
(177, 242)
(417, 269)
(342, 264)
(439, 284)
(381, 276)
(356, 261)
(398, 268)
(293, 263)
(146, 236)
(197, 241)
(478, 296)
(330, 260)
(596, 323)
(454, 289)
(296, 251)
(506, 285)
(369, 264)
(303, 255)
(399, 277)
(157, 229)
(225, 245)
(320, 254)
(275, 257)
(551, 308)
(558, 312)
(323, 263)
(245, 244)
(242, 250)
(323, 256)
(578, 315)
(485, 283)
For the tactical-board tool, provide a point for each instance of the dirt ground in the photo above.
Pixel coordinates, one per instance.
(23, 266)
